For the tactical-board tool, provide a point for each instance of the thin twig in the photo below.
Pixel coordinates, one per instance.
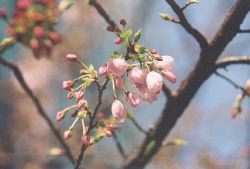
(187, 26)
(137, 125)
(38, 105)
(187, 4)
(100, 88)
(232, 60)
(244, 31)
(231, 82)
(119, 146)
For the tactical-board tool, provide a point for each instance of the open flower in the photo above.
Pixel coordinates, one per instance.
(117, 66)
(154, 82)
(137, 76)
(118, 111)
(166, 67)
(103, 70)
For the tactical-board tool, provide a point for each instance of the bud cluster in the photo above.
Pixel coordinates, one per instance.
(32, 24)
(144, 68)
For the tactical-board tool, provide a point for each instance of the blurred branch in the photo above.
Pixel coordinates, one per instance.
(187, 26)
(100, 88)
(222, 63)
(231, 82)
(137, 125)
(119, 146)
(187, 4)
(38, 105)
(177, 103)
(244, 31)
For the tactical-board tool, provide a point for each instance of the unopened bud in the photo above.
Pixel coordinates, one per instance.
(3, 12)
(67, 134)
(248, 87)
(34, 43)
(71, 57)
(86, 140)
(79, 95)
(60, 115)
(118, 40)
(38, 32)
(109, 28)
(123, 22)
(67, 85)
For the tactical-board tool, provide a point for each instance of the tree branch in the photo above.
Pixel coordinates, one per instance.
(119, 146)
(177, 103)
(38, 105)
(186, 25)
(244, 31)
(232, 60)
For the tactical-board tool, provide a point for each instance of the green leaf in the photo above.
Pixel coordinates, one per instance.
(130, 114)
(175, 142)
(101, 123)
(137, 36)
(125, 35)
(194, 1)
(98, 138)
(150, 146)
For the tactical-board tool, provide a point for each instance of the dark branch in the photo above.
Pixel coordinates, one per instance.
(38, 105)
(137, 125)
(187, 26)
(223, 63)
(119, 146)
(244, 31)
(231, 82)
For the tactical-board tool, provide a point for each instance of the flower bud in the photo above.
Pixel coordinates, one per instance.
(154, 82)
(158, 57)
(117, 66)
(34, 43)
(108, 133)
(248, 87)
(118, 82)
(67, 85)
(112, 127)
(67, 134)
(23, 4)
(86, 141)
(133, 100)
(71, 57)
(60, 116)
(3, 12)
(38, 32)
(116, 28)
(103, 70)
(79, 95)
(123, 22)
(169, 76)
(153, 51)
(137, 76)
(118, 111)
(70, 95)
(109, 28)
(118, 40)
(146, 95)
(54, 36)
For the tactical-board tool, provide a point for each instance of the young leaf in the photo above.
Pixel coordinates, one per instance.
(137, 35)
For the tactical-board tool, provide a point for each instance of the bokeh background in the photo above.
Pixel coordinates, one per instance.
(215, 141)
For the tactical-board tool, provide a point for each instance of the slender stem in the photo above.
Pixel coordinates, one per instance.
(119, 146)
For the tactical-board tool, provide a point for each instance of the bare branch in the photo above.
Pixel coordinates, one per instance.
(244, 31)
(186, 25)
(38, 105)
(231, 82)
(232, 60)
(137, 125)
(119, 146)
(187, 4)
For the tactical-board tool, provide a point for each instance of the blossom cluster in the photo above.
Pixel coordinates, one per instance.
(32, 24)
(237, 106)
(143, 68)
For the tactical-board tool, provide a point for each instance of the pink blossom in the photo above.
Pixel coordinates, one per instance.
(118, 111)
(166, 64)
(169, 76)
(34, 44)
(79, 95)
(103, 70)
(67, 85)
(138, 76)
(118, 82)
(117, 66)
(158, 57)
(123, 22)
(154, 82)
(70, 95)
(118, 40)
(60, 116)
(3, 12)
(71, 57)
(86, 140)
(67, 134)
(133, 100)
(38, 32)
(81, 104)
(147, 96)
(23, 4)
(248, 87)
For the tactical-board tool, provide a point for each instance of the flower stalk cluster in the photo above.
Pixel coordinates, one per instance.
(145, 70)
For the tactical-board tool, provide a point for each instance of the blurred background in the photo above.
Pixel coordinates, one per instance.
(215, 141)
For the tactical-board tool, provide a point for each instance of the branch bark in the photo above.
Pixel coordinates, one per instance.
(177, 104)
(232, 60)
(19, 77)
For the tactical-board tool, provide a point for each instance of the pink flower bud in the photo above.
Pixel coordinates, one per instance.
(79, 95)
(137, 76)
(133, 100)
(166, 64)
(103, 70)
(147, 96)
(118, 82)
(81, 104)
(38, 32)
(153, 51)
(54, 36)
(109, 28)
(169, 76)
(158, 57)
(112, 127)
(86, 140)
(116, 28)
(248, 87)
(118, 111)
(60, 116)
(235, 112)
(10, 31)
(34, 43)
(67, 85)
(70, 95)
(3, 12)
(117, 66)
(154, 82)
(123, 22)
(118, 40)
(150, 58)
(67, 134)
(37, 17)
(71, 57)
(108, 133)
(23, 4)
